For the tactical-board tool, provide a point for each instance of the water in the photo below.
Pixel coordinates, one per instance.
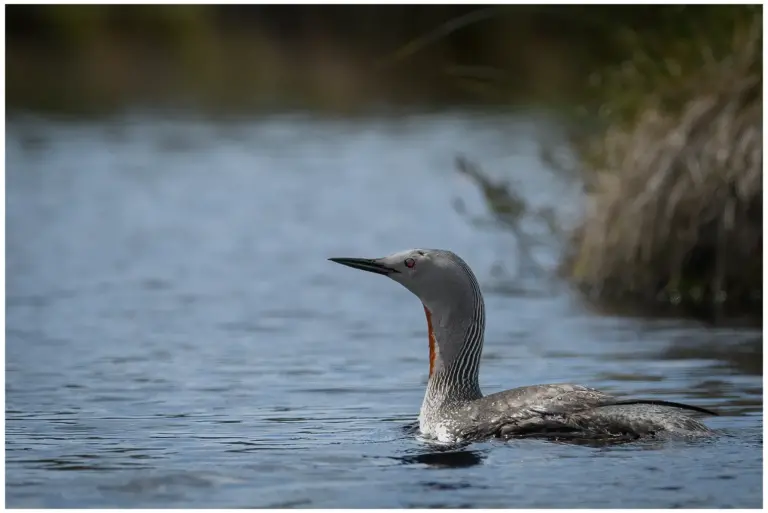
(177, 338)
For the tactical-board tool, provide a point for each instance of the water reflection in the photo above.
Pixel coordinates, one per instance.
(744, 354)
(445, 459)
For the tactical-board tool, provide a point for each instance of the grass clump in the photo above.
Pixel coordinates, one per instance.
(674, 216)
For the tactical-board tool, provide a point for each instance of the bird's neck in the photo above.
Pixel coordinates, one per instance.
(456, 334)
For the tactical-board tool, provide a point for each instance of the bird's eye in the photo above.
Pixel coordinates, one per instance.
(410, 262)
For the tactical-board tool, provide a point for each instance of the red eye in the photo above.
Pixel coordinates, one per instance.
(410, 262)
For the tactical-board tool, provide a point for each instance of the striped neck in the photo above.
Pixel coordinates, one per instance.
(456, 331)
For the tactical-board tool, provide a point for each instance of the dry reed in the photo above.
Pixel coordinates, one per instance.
(674, 212)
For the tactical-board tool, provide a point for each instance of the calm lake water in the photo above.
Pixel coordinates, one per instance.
(177, 338)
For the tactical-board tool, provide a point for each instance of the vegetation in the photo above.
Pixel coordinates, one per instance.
(84, 58)
(675, 207)
(674, 170)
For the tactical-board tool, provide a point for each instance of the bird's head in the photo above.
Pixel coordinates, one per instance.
(432, 275)
(446, 287)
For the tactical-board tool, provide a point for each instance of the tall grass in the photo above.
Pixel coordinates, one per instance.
(674, 216)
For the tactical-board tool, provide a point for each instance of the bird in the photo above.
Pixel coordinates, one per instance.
(454, 409)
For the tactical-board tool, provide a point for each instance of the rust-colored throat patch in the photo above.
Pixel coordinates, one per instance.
(431, 342)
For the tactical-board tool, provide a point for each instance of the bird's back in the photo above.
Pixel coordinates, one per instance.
(574, 410)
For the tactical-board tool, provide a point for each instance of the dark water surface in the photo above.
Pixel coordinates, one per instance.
(177, 338)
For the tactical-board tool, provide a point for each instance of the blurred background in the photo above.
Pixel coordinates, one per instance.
(177, 176)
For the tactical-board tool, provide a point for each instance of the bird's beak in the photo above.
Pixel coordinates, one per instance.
(365, 264)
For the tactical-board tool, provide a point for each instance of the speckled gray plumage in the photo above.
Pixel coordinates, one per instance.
(561, 410)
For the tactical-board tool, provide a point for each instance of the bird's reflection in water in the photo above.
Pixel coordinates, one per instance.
(438, 455)
(445, 459)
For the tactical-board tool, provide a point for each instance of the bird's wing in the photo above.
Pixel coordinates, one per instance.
(568, 410)
(546, 398)
(533, 409)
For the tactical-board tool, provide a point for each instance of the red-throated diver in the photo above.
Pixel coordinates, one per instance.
(454, 408)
